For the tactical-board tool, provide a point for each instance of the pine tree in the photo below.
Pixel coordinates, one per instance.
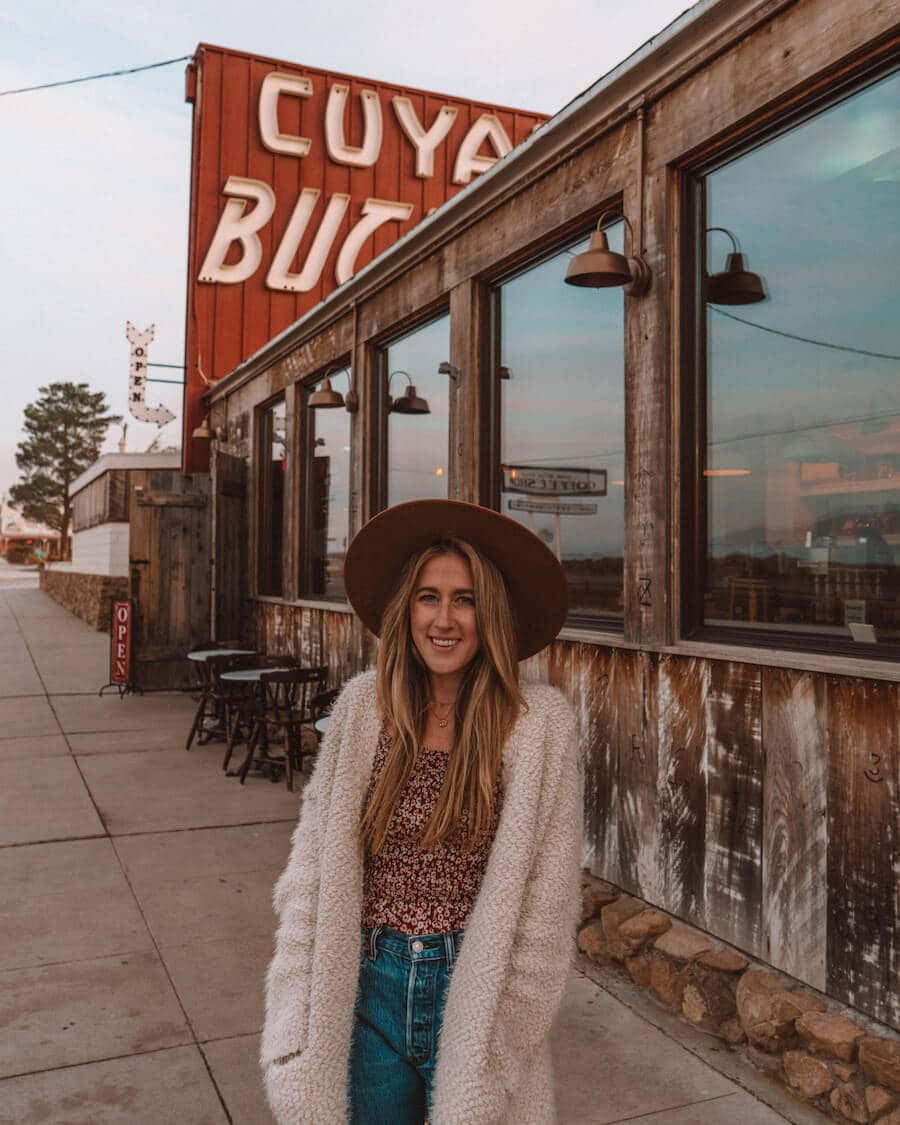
(64, 430)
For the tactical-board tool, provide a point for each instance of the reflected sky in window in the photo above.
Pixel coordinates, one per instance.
(418, 444)
(804, 433)
(563, 406)
(328, 524)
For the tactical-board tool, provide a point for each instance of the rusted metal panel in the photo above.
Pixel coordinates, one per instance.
(229, 320)
(795, 831)
(864, 846)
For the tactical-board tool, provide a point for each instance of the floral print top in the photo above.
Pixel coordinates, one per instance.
(415, 891)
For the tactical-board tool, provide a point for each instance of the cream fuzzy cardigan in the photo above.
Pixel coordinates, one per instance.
(493, 1063)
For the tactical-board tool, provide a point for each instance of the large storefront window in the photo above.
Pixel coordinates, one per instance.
(418, 442)
(801, 496)
(562, 433)
(325, 503)
(272, 463)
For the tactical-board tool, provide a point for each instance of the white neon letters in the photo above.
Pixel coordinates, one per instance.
(274, 85)
(236, 225)
(279, 275)
(338, 149)
(375, 212)
(424, 142)
(250, 204)
(487, 128)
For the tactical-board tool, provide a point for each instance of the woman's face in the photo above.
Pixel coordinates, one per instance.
(442, 619)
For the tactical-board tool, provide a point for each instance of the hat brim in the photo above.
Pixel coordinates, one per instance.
(538, 591)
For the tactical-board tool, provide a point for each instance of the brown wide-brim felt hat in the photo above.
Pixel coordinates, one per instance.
(537, 587)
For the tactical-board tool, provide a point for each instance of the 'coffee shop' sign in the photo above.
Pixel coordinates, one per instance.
(543, 480)
(299, 177)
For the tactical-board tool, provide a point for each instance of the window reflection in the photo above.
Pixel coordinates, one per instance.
(562, 443)
(326, 490)
(802, 467)
(272, 464)
(418, 444)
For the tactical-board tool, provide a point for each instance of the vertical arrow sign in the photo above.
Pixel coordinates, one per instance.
(137, 382)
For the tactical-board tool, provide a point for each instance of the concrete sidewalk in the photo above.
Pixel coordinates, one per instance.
(135, 919)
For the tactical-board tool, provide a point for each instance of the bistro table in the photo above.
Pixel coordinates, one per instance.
(268, 765)
(249, 675)
(211, 726)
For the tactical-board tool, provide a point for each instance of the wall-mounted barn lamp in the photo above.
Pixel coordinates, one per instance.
(202, 431)
(410, 402)
(598, 267)
(735, 285)
(327, 398)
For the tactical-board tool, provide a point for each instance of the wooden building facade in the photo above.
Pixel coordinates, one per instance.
(719, 484)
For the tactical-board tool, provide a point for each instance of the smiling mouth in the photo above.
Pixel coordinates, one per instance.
(445, 643)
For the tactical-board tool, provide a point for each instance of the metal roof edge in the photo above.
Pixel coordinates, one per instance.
(674, 45)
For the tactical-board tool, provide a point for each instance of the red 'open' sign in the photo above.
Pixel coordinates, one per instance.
(120, 643)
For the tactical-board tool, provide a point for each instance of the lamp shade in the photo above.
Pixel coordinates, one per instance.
(735, 285)
(598, 267)
(410, 403)
(326, 397)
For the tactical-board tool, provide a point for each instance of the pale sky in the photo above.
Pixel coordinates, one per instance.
(94, 194)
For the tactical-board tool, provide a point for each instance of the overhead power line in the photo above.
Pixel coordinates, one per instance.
(94, 77)
(805, 339)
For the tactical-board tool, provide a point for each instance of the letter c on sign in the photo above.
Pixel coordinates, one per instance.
(274, 85)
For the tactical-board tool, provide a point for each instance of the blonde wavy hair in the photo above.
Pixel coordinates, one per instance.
(487, 706)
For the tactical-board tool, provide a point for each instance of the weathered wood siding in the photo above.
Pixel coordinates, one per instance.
(104, 500)
(169, 574)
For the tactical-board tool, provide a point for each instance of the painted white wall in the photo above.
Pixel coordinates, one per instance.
(101, 550)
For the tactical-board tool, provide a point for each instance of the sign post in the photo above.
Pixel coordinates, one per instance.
(121, 631)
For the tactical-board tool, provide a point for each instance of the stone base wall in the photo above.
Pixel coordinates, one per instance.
(88, 596)
(819, 1050)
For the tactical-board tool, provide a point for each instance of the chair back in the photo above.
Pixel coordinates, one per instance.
(288, 692)
(273, 660)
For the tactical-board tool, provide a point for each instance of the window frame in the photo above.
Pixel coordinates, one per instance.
(551, 247)
(305, 452)
(380, 375)
(263, 520)
(693, 384)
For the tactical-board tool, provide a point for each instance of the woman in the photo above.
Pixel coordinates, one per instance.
(445, 802)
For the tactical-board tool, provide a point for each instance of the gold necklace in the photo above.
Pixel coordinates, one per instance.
(446, 721)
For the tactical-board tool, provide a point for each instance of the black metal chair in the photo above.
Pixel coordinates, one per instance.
(217, 697)
(285, 709)
(247, 703)
(204, 684)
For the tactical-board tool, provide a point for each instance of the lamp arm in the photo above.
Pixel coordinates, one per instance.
(399, 371)
(725, 230)
(619, 216)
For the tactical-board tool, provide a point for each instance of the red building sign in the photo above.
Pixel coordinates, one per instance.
(299, 177)
(120, 643)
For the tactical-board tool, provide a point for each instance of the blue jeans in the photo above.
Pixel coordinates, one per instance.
(403, 983)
